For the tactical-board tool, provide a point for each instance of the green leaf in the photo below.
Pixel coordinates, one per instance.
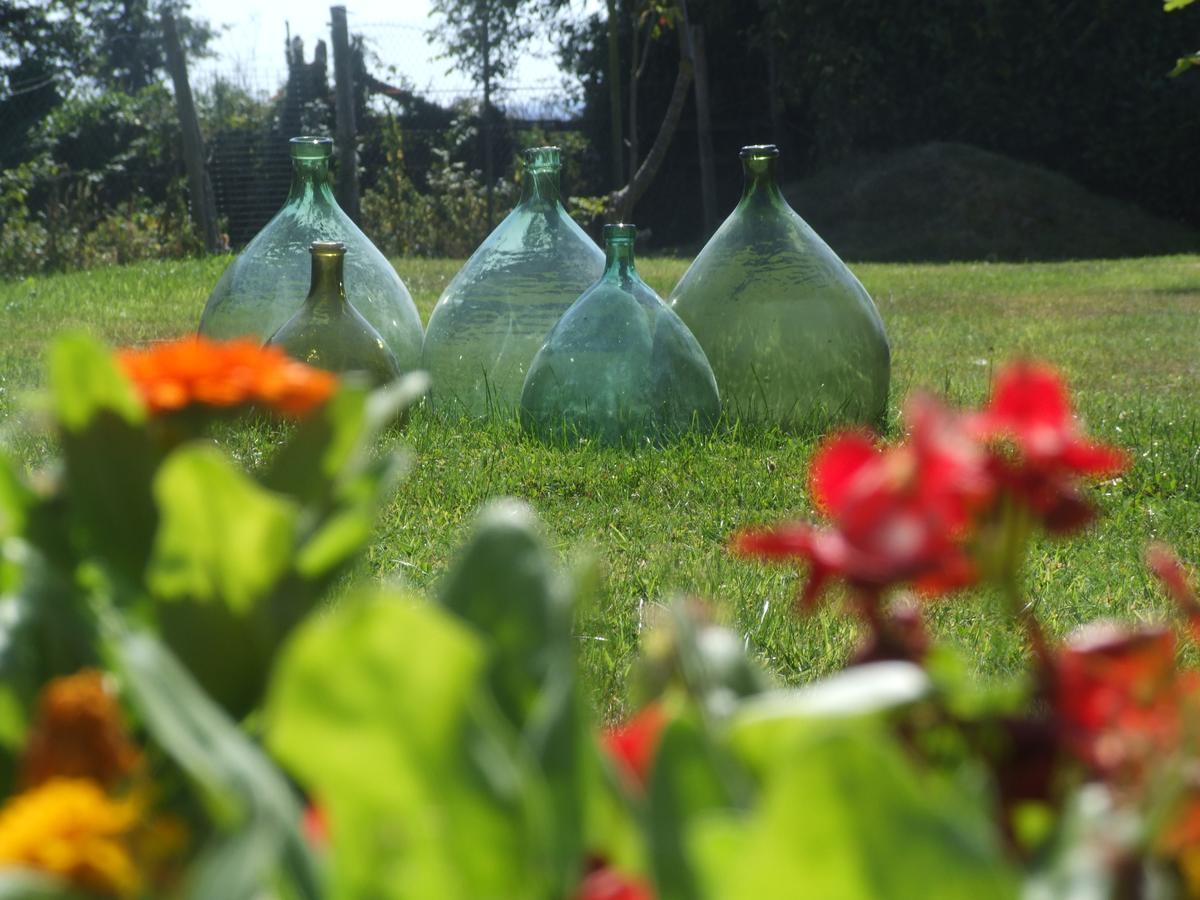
(20, 884)
(334, 442)
(341, 533)
(685, 786)
(867, 690)
(380, 708)
(843, 815)
(221, 538)
(108, 456)
(223, 550)
(15, 501)
(86, 381)
(245, 794)
(708, 662)
(1172, 5)
(1184, 64)
(507, 586)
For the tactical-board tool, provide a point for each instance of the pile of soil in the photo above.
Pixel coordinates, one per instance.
(946, 201)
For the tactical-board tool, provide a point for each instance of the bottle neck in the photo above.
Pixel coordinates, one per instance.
(541, 186)
(328, 278)
(310, 182)
(759, 180)
(618, 260)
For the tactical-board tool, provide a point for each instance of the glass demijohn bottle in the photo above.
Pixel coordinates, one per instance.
(329, 333)
(265, 285)
(497, 311)
(793, 337)
(619, 367)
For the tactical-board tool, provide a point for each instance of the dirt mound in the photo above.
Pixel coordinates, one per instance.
(945, 201)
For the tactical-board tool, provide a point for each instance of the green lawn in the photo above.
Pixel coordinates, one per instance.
(1127, 333)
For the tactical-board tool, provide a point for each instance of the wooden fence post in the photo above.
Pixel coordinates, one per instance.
(204, 207)
(347, 140)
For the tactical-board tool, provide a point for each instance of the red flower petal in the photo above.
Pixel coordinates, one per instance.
(606, 883)
(835, 465)
(1032, 394)
(1118, 695)
(784, 542)
(635, 743)
(1174, 578)
(315, 826)
(1098, 460)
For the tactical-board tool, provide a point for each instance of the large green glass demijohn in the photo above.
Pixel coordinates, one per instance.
(619, 367)
(792, 336)
(327, 332)
(266, 284)
(497, 311)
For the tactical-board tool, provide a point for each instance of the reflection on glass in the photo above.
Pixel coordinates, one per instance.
(327, 332)
(619, 367)
(792, 336)
(495, 314)
(265, 285)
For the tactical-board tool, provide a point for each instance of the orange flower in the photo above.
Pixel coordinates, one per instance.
(195, 371)
(69, 828)
(78, 733)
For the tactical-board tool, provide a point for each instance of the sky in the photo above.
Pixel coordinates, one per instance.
(250, 49)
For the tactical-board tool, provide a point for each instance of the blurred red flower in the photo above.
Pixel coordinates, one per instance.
(606, 883)
(1174, 578)
(1119, 697)
(1030, 409)
(899, 514)
(314, 825)
(634, 743)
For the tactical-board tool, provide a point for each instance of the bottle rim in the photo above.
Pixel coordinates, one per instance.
(327, 248)
(760, 151)
(311, 147)
(620, 233)
(542, 158)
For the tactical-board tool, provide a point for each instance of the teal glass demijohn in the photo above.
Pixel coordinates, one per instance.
(497, 311)
(327, 332)
(793, 337)
(619, 367)
(266, 284)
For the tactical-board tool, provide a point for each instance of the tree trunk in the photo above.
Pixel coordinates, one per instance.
(708, 174)
(489, 167)
(614, 94)
(621, 202)
(774, 107)
(633, 100)
(347, 180)
(204, 207)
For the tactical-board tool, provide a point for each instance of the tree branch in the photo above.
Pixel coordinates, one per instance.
(622, 202)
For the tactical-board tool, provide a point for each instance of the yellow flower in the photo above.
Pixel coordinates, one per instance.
(69, 828)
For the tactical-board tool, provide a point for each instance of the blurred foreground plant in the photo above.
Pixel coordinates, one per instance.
(445, 748)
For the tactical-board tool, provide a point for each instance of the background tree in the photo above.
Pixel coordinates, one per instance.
(484, 39)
